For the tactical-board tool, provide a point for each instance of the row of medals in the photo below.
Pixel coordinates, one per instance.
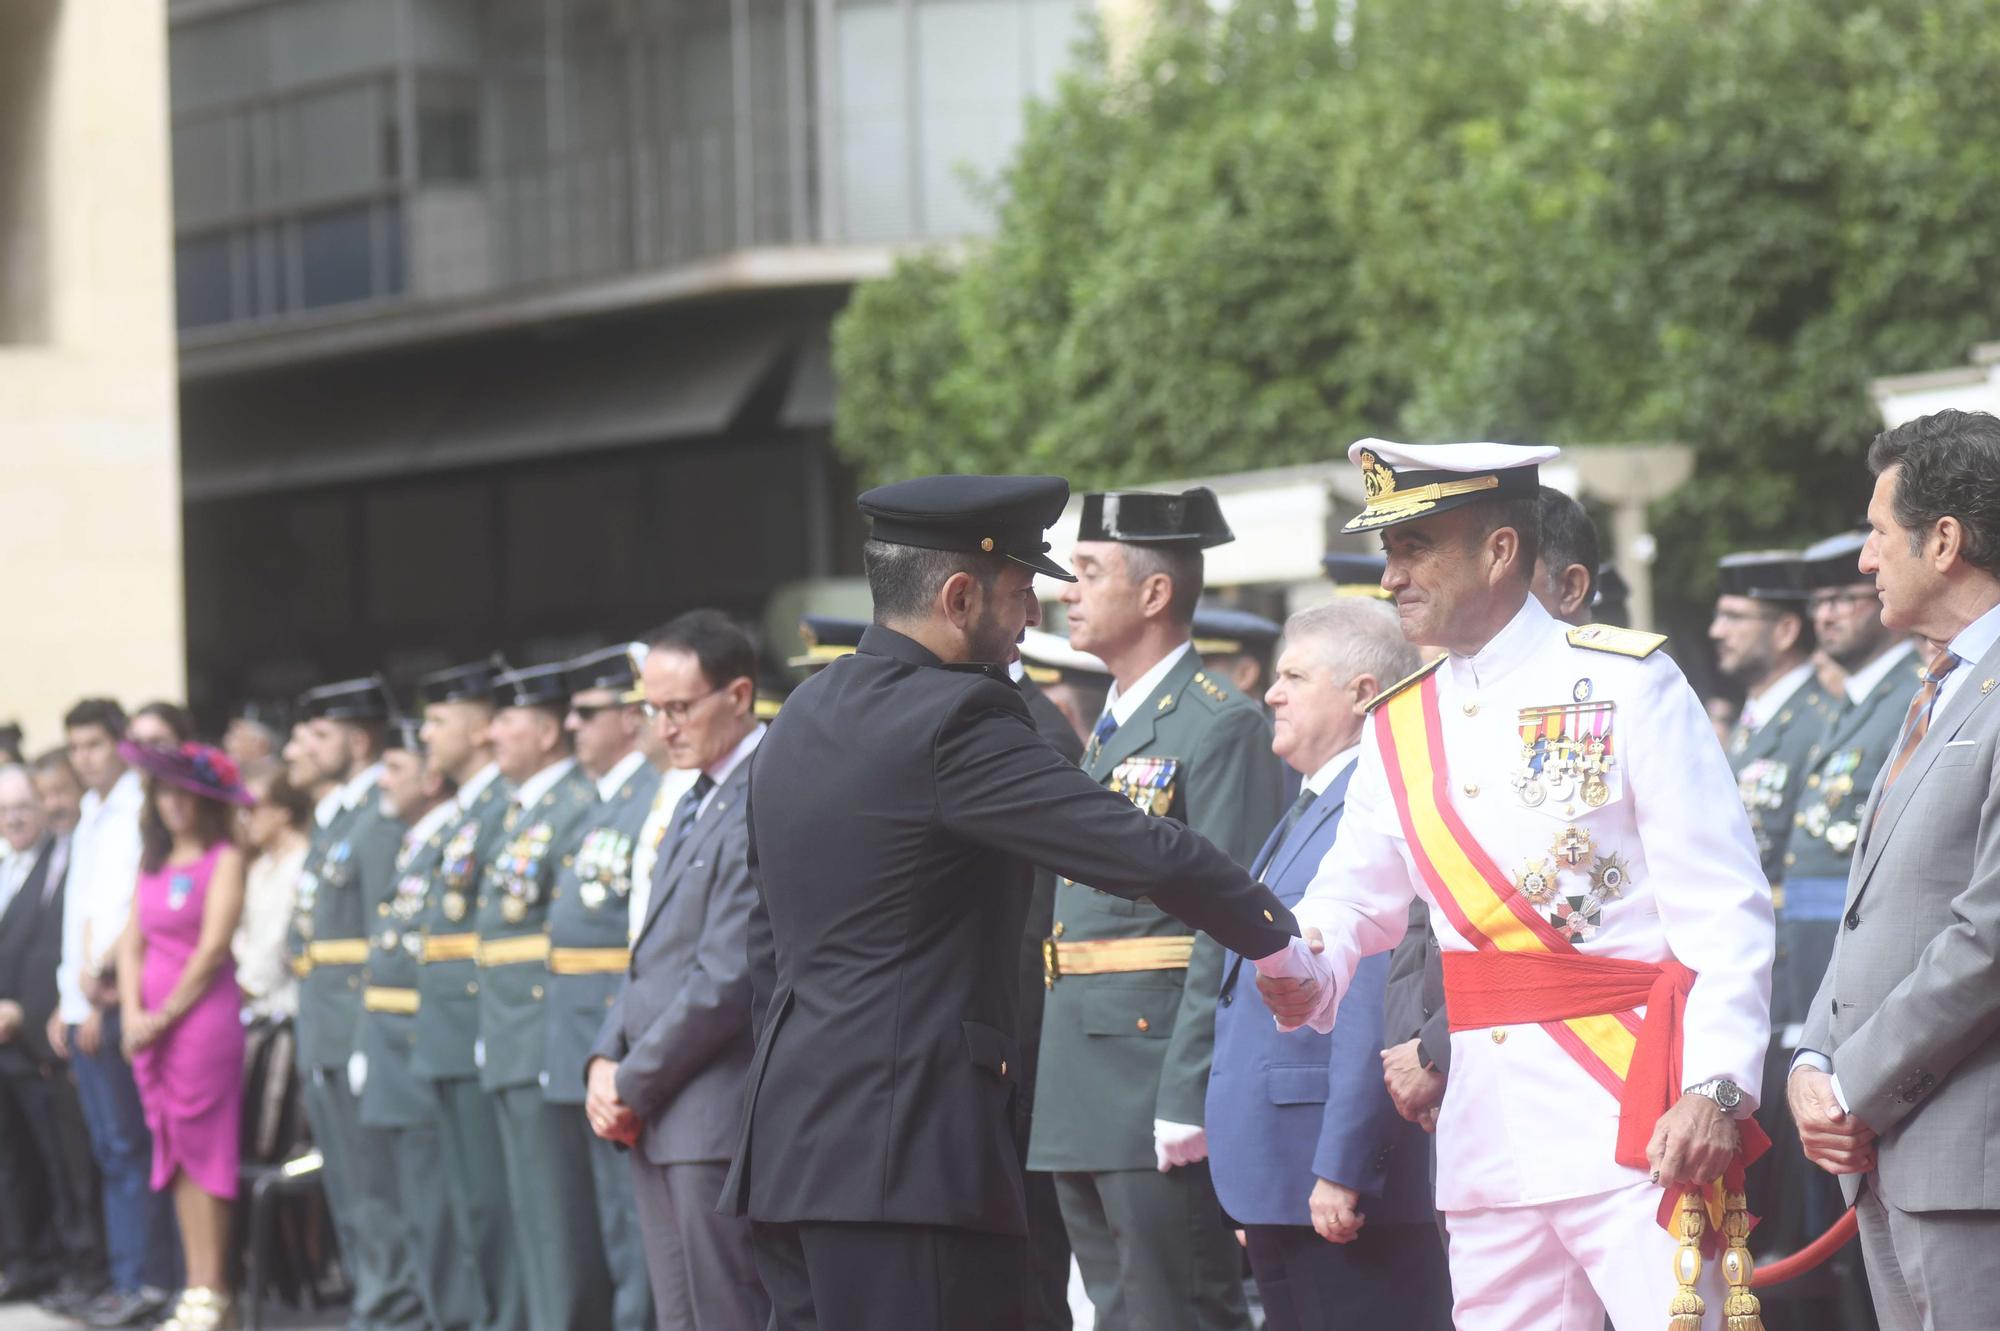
(1569, 769)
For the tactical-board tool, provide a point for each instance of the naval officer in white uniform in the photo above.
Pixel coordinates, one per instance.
(1558, 799)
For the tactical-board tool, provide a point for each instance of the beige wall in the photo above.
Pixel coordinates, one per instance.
(90, 548)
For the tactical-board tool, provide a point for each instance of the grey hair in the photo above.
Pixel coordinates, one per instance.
(17, 769)
(1950, 463)
(1356, 635)
(1183, 568)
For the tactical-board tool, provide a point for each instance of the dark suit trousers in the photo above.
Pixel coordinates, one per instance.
(47, 1219)
(703, 1276)
(1390, 1276)
(825, 1276)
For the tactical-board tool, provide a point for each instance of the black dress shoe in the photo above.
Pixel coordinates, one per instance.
(71, 1293)
(18, 1288)
(123, 1307)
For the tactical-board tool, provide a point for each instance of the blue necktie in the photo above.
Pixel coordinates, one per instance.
(690, 806)
(1107, 725)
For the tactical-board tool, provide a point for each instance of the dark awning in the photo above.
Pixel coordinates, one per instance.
(475, 403)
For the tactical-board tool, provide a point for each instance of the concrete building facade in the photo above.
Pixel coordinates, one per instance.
(504, 323)
(90, 514)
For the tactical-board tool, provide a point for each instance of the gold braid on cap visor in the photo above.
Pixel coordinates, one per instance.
(1394, 505)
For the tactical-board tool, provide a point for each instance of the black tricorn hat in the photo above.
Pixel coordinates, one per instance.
(1001, 515)
(615, 668)
(1835, 562)
(347, 700)
(472, 682)
(1611, 598)
(544, 686)
(827, 638)
(1762, 575)
(1356, 575)
(1224, 631)
(1142, 517)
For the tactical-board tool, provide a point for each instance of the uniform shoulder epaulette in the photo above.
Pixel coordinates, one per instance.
(1415, 676)
(1623, 642)
(1203, 686)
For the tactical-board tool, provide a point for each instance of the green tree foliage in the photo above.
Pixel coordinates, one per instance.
(1280, 227)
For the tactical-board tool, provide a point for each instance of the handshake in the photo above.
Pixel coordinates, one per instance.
(1295, 982)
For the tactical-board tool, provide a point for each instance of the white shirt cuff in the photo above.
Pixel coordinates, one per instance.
(1813, 1058)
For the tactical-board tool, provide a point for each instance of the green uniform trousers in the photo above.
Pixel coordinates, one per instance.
(554, 1210)
(469, 1141)
(363, 1193)
(1154, 1250)
(437, 1250)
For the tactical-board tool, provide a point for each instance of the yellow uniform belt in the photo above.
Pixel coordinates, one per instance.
(338, 952)
(450, 947)
(1113, 956)
(508, 951)
(589, 960)
(377, 999)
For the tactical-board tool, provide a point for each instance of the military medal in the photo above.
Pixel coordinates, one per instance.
(513, 909)
(1147, 782)
(592, 893)
(1566, 751)
(1575, 918)
(1573, 845)
(1842, 836)
(1537, 882)
(1607, 877)
(454, 906)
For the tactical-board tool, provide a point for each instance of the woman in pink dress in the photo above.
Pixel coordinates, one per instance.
(182, 1025)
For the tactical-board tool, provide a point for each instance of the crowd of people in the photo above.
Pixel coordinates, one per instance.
(1404, 955)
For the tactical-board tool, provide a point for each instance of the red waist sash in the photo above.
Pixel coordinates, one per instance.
(1490, 988)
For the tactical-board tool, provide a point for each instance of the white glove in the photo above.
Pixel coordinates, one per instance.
(357, 1072)
(1178, 1144)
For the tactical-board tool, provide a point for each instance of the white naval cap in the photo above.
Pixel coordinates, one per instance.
(1407, 481)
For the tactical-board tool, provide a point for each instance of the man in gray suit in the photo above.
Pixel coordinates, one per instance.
(1897, 1082)
(666, 1074)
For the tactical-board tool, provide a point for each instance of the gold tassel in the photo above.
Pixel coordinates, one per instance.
(1740, 1310)
(1685, 1312)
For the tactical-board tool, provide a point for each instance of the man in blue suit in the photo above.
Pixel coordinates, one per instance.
(1330, 1185)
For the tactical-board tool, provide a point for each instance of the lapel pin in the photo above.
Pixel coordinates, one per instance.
(1166, 702)
(1986, 686)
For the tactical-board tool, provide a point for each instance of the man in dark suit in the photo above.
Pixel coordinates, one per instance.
(46, 1227)
(1331, 1187)
(897, 808)
(665, 1076)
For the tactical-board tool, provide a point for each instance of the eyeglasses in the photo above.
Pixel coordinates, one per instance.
(1853, 596)
(677, 712)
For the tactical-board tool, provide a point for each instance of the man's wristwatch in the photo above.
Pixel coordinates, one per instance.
(1728, 1096)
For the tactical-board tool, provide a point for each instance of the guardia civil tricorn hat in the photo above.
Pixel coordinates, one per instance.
(1141, 517)
(1404, 482)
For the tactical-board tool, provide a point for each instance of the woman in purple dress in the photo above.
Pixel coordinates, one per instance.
(181, 1007)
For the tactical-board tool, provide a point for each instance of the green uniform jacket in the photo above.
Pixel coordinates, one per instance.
(1841, 770)
(1825, 832)
(1770, 769)
(448, 991)
(347, 873)
(513, 904)
(392, 1097)
(1121, 1050)
(590, 909)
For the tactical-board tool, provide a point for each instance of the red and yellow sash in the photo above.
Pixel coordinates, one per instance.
(1522, 970)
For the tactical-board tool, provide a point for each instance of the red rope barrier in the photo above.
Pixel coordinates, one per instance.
(1810, 1256)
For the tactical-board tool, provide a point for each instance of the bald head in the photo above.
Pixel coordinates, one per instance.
(21, 819)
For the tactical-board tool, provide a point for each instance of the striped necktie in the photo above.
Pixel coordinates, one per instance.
(690, 808)
(1107, 726)
(1917, 723)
